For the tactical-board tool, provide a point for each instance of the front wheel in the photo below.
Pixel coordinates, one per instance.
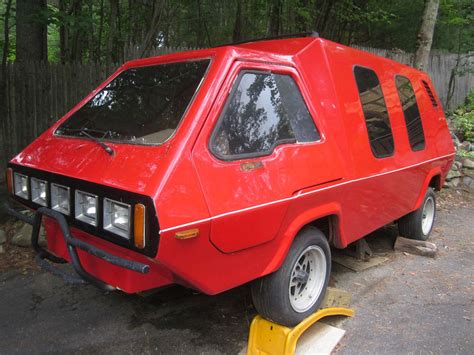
(296, 290)
(419, 223)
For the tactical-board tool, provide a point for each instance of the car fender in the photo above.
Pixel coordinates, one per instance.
(297, 220)
(434, 172)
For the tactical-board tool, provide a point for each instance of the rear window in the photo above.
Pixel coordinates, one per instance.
(411, 112)
(263, 111)
(141, 105)
(375, 112)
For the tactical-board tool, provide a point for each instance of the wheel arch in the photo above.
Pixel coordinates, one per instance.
(326, 218)
(435, 180)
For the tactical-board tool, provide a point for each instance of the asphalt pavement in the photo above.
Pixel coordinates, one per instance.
(409, 304)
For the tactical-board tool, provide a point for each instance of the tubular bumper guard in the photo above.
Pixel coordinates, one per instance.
(71, 243)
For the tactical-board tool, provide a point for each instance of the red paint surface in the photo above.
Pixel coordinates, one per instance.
(248, 219)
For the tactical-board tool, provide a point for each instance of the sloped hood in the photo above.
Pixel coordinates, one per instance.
(135, 168)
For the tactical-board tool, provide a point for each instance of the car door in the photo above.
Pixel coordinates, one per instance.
(258, 148)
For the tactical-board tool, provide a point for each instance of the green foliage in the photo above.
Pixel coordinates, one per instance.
(463, 119)
(466, 154)
(86, 24)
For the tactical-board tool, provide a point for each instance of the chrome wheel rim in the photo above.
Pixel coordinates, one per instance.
(428, 215)
(307, 279)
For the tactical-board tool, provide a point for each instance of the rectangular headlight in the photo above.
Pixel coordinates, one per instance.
(86, 206)
(21, 187)
(117, 217)
(39, 191)
(60, 198)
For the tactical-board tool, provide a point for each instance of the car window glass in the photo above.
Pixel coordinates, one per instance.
(142, 105)
(375, 112)
(411, 112)
(263, 110)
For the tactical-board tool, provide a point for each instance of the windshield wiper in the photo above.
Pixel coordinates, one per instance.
(106, 147)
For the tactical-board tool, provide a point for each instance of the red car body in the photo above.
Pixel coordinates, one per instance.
(248, 211)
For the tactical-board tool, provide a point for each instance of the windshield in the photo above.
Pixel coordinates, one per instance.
(141, 105)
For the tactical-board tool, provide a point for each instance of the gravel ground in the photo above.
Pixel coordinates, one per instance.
(409, 304)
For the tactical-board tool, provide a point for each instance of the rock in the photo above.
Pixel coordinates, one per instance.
(1, 249)
(3, 237)
(456, 140)
(455, 182)
(417, 247)
(468, 163)
(457, 165)
(22, 237)
(465, 146)
(453, 174)
(468, 181)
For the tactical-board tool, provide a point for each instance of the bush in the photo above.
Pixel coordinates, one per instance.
(463, 119)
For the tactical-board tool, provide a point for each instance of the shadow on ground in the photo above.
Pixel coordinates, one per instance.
(408, 304)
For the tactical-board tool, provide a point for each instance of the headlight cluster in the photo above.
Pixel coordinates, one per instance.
(117, 216)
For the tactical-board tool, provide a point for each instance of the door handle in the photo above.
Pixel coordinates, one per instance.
(251, 165)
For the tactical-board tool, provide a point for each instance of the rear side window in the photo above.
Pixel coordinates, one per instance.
(411, 112)
(375, 112)
(263, 110)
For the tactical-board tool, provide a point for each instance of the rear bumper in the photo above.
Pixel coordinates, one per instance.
(91, 262)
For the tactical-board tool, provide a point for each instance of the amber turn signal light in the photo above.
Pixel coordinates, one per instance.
(10, 181)
(187, 234)
(139, 226)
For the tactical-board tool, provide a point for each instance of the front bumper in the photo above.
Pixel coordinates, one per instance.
(72, 244)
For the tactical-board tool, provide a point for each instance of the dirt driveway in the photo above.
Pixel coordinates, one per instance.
(410, 304)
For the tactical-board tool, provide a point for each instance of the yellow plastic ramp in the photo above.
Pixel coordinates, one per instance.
(270, 338)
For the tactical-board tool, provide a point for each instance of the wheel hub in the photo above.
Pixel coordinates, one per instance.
(307, 278)
(427, 214)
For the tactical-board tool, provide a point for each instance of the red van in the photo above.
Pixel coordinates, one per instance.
(213, 168)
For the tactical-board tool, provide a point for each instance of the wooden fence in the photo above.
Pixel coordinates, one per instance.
(38, 94)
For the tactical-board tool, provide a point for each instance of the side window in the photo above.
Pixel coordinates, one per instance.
(263, 110)
(375, 112)
(411, 113)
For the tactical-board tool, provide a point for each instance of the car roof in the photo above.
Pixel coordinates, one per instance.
(286, 48)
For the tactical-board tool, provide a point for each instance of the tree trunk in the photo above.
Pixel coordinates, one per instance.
(91, 45)
(111, 54)
(425, 35)
(99, 35)
(273, 28)
(31, 32)
(6, 37)
(63, 32)
(153, 29)
(76, 45)
(237, 34)
(3, 79)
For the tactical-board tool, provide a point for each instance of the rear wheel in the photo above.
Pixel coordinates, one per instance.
(296, 290)
(419, 223)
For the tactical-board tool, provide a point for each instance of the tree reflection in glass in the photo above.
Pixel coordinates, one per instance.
(263, 111)
(141, 105)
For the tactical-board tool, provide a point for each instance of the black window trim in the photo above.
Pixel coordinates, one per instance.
(363, 114)
(401, 104)
(120, 71)
(236, 157)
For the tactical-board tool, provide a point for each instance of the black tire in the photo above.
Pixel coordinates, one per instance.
(271, 293)
(410, 226)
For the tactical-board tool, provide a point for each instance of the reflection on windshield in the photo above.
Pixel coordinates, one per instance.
(141, 105)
